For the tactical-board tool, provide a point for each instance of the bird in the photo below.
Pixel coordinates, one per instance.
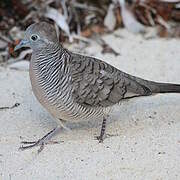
(74, 87)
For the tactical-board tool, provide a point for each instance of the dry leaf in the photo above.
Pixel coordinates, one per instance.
(129, 20)
(110, 18)
(59, 19)
(86, 33)
(99, 29)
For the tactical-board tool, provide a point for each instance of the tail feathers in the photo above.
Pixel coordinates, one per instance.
(164, 87)
(150, 87)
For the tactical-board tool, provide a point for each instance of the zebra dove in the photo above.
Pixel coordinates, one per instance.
(74, 87)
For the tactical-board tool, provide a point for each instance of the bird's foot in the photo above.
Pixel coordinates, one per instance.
(41, 142)
(102, 138)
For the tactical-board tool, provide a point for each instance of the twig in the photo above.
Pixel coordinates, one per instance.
(4, 38)
(105, 46)
(63, 4)
(11, 107)
(87, 7)
(81, 38)
(74, 13)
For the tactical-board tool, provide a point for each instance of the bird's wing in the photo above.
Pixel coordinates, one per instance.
(96, 83)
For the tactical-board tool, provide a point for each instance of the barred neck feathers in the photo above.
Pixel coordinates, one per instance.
(52, 72)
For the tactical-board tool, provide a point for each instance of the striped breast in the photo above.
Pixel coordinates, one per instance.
(50, 76)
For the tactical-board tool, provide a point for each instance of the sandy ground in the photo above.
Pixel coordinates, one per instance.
(146, 144)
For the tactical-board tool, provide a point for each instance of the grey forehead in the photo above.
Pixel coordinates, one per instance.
(42, 28)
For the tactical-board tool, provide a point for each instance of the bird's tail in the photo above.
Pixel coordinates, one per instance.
(151, 87)
(156, 87)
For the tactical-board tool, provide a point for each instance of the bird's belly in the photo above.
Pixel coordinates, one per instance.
(59, 110)
(44, 101)
(76, 113)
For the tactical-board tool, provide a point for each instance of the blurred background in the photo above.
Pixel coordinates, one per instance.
(85, 21)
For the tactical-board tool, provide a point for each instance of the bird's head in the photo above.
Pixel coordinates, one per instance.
(38, 36)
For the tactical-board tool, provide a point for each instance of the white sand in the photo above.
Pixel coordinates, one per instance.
(147, 129)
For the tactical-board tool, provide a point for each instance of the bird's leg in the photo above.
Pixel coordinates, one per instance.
(41, 142)
(103, 129)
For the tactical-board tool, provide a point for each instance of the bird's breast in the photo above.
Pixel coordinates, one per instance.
(54, 94)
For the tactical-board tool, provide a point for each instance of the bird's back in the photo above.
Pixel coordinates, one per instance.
(98, 84)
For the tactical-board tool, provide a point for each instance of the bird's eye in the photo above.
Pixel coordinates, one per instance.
(34, 37)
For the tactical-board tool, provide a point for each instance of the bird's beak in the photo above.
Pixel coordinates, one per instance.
(22, 43)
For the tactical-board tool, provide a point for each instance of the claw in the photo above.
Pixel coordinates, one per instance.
(41, 142)
(41, 148)
(100, 139)
(28, 142)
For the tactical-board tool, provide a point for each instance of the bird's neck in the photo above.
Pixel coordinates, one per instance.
(51, 51)
(48, 57)
(47, 61)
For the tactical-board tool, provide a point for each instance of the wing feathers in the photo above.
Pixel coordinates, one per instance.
(97, 83)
